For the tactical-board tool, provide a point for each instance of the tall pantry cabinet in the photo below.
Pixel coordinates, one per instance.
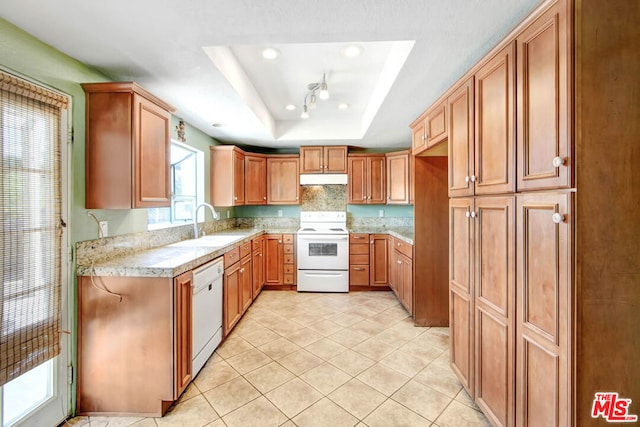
(544, 278)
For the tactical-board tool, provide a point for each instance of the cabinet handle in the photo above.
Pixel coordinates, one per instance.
(358, 237)
(558, 161)
(296, 197)
(424, 137)
(358, 268)
(557, 218)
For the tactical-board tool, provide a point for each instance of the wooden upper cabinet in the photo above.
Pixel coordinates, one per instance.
(367, 179)
(544, 152)
(323, 159)
(461, 144)
(255, 179)
(430, 128)
(494, 130)
(398, 177)
(227, 176)
(127, 152)
(283, 179)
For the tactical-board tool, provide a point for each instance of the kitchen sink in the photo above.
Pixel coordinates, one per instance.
(212, 241)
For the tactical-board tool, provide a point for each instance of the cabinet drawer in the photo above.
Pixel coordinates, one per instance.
(403, 247)
(288, 259)
(359, 259)
(287, 238)
(231, 257)
(358, 238)
(359, 275)
(288, 279)
(359, 249)
(288, 249)
(256, 244)
(245, 249)
(288, 269)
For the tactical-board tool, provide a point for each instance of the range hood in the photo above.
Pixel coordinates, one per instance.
(323, 178)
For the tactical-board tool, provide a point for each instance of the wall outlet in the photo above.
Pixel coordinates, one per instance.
(104, 228)
(228, 214)
(381, 213)
(279, 212)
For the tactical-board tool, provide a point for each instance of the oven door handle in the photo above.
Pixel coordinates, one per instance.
(307, 238)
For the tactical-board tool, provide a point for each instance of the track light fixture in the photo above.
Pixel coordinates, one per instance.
(312, 88)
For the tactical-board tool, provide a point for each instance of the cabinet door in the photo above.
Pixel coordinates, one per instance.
(494, 307)
(335, 159)
(398, 176)
(436, 124)
(543, 295)
(255, 180)
(543, 140)
(283, 180)
(494, 130)
(357, 180)
(273, 259)
(460, 109)
(152, 154)
(183, 333)
(379, 259)
(461, 292)
(311, 159)
(232, 295)
(394, 269)
(419, 136)
(257, 268)
(246, 279)
(377, 182)
(238, 178)
(405, 276)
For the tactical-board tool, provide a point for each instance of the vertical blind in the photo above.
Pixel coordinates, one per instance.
(30, 216)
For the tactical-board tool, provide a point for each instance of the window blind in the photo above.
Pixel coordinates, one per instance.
(30, 217)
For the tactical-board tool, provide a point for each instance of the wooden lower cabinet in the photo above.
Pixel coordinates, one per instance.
(116, 374)
(368, 259)
(482, 231)
(280, 260)
(401, 272)
(257, 267)
(237, 286)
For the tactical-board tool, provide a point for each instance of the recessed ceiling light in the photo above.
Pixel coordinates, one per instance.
(270, 53)
(352, 51)
(290, 107)
(343, 106)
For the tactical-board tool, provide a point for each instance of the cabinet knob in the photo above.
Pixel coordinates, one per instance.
(424, 137)
(235, 198)
(399, 262)
(472, 178)
(473, 214)
(557, 218)
(279, 241)
(467, 179)
(398, 244)
(264, 198)
(372, 242)
(467, 214)
(558, 161)
(297, 197)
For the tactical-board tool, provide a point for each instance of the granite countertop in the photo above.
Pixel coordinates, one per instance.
(176, 258)
(403, 233)
(173, 259)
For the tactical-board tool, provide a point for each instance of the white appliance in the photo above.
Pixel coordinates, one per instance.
(323, 252)
(207, 312)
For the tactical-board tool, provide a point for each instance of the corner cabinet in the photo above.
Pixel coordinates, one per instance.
(127, 151)
(429, 129)
(116, 337)
(227, 176)
(283, 179)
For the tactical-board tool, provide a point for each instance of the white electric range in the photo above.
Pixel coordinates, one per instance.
(323, 252)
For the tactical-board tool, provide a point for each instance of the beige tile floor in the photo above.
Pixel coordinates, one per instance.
(304, 359)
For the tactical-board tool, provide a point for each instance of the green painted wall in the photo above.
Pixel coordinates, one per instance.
(373, 211)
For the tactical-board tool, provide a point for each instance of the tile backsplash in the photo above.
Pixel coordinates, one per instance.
(327, 197)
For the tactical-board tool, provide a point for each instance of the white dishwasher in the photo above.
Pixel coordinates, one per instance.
(207, 311)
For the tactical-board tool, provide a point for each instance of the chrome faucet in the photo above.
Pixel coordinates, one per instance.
(195, 217)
